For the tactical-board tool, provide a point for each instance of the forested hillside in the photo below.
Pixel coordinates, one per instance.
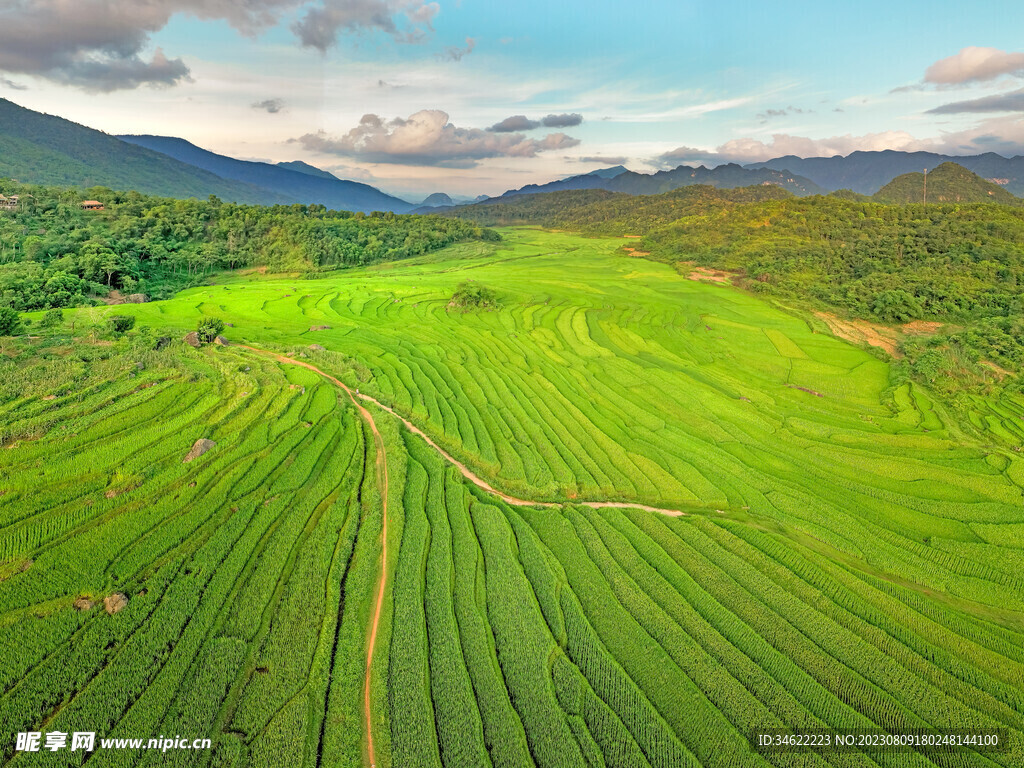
(948, 183)
(55, 254)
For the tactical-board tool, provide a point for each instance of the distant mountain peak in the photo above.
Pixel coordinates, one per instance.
(437, 200)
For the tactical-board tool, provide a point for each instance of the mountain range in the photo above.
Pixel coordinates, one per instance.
(618, 179)
(46, 149)
(868, 172)
(299, 183)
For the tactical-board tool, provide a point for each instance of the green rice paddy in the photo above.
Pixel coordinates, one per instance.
(849, 556)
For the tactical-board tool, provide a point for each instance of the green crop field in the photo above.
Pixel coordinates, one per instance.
(845, 552)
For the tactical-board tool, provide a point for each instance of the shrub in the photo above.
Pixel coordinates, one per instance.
(121, 323)
(52, 318)
(209, 328)
(470, 295)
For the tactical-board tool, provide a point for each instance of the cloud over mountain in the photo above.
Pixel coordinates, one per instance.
(428, 138)
(1001, 102)
(974, 64)
(1003, 135)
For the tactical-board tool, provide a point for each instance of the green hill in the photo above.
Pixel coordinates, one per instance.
(44, 149)
(948, 183)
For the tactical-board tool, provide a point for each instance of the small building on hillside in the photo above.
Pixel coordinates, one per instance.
(92, 205)
(8, 203)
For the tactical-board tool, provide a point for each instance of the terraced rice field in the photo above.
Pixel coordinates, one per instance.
(848, 556)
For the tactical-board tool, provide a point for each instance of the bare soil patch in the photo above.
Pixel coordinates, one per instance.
(863, 332)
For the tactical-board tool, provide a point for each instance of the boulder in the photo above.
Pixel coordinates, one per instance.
(220, 341)
(317, 348)
(83, 604)
(199, 447)
(192, 339)
(115, 602)
(136, 298)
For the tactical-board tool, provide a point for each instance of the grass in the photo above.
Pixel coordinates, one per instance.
(845, 560)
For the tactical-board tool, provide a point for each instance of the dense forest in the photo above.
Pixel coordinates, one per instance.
(961, 265)
(55, 254)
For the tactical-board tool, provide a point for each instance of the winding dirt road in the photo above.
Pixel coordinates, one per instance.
(382, 477)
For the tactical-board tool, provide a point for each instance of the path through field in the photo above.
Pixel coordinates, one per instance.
(382, 476)
(382, 468)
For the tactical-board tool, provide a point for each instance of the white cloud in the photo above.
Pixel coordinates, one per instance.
(973, 64)
(428, 138)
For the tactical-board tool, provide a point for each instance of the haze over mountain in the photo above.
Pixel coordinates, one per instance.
(299, 185)
(868, 172)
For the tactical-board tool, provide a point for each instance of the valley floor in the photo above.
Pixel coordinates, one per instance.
(846, 555)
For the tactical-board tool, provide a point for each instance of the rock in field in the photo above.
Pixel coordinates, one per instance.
(220, 341)
(83, 604)
(316, 348)
(192, 339)
(115, 602)
(199, 447)
(320, 328)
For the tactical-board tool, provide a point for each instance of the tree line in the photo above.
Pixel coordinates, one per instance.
(55, 254)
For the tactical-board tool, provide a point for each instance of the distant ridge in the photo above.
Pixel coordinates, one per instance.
(36, 148)
(631, 183)
(299, 186)
(301, 167)
(868, 172)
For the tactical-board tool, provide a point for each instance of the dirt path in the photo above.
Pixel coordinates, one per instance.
(382, 476)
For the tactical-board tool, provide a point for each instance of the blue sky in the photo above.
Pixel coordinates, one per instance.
(653, 85)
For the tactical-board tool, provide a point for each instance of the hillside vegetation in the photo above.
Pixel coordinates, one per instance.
(947, 183)
(834, 551)
(958, 265)
(54, 254)
(46, 149)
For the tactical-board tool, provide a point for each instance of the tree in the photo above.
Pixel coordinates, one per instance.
(10, 322)
(209, 328)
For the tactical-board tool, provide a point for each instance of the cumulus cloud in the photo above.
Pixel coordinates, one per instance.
(974, 64)
(428, 138)
(273, 106)
(523, 123)
(454, 53)
(562, 121)
(515, 123)
(101, 45)
(1002, 102)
